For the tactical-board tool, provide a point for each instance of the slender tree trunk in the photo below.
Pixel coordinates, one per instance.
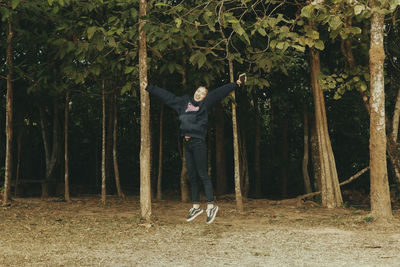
(115, 157)
(50, 158)
(396, 116)
(96, 165)
(160, 157)
(315, 157)
(306, 177)
(393, 146)
(238, 190)
(185, 194)
(66, 155)
(103, 147)
(347, 52)
(245, 166)
(380, 196)
(284, 158)
(257, 141)
(19, 141)
(331, 195)
(9, 117)
(145, 187)
(109, 134)
(219, 150)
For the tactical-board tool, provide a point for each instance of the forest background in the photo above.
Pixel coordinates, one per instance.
(312, 114)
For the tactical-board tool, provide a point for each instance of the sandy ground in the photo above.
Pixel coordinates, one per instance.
(37, 232)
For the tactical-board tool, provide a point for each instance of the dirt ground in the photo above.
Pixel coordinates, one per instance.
(36, 232)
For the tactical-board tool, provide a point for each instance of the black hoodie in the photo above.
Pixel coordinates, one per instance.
(193, 115)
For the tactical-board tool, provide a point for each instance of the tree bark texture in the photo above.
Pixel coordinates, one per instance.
(115, 155)
(244, 168)
(315, 157)
(185, 194)
(66, 158)
(393, 147)
(396, 116)
(380, 196)
(220, 157)
(19, 143)
(184, 179)
(9, 116)
(284, 157)
(347, 52)
(331, 195)
(50, 158)
(103, 147)
(145, 164)
(257, 141)
(109, 135)
(238, 191)
(306, 176)
(160, 157)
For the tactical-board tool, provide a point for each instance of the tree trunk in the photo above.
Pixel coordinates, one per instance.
(109, 135)
(145, 187)
(284, 158)
(50, 158)
(331, 195)
(9, 117)
(66, 158)
(306, 177)
(115, 157)
(185, 194)
(238, 190)
(380, 196)
(160, 157)
(257, 141)
(315, 157)
(103, 147)
(347, 52)
(396, 116)
(392, 145)
(219, 150)
(19, 141)
(245, 166)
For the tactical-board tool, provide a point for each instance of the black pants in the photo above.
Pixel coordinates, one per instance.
(196, 164)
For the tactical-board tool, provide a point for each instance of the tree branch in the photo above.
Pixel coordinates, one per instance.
(352, 178)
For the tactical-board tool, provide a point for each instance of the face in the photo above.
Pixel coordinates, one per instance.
(200, 93)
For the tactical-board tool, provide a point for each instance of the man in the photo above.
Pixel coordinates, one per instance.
(193, 116)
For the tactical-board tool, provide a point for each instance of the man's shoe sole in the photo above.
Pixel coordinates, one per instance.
(215, 215)
(194, 217)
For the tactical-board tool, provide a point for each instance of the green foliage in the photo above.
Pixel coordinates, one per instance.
(356, 79)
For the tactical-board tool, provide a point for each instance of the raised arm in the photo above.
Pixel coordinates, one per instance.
(167, 97)
(219, 93)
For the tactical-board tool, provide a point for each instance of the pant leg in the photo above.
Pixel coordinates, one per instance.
(199, 153)
(192, 172)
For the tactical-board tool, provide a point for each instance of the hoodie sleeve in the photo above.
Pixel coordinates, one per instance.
(219, 93)
(167, 97)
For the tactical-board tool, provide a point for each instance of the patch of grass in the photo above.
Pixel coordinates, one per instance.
(369, 219)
